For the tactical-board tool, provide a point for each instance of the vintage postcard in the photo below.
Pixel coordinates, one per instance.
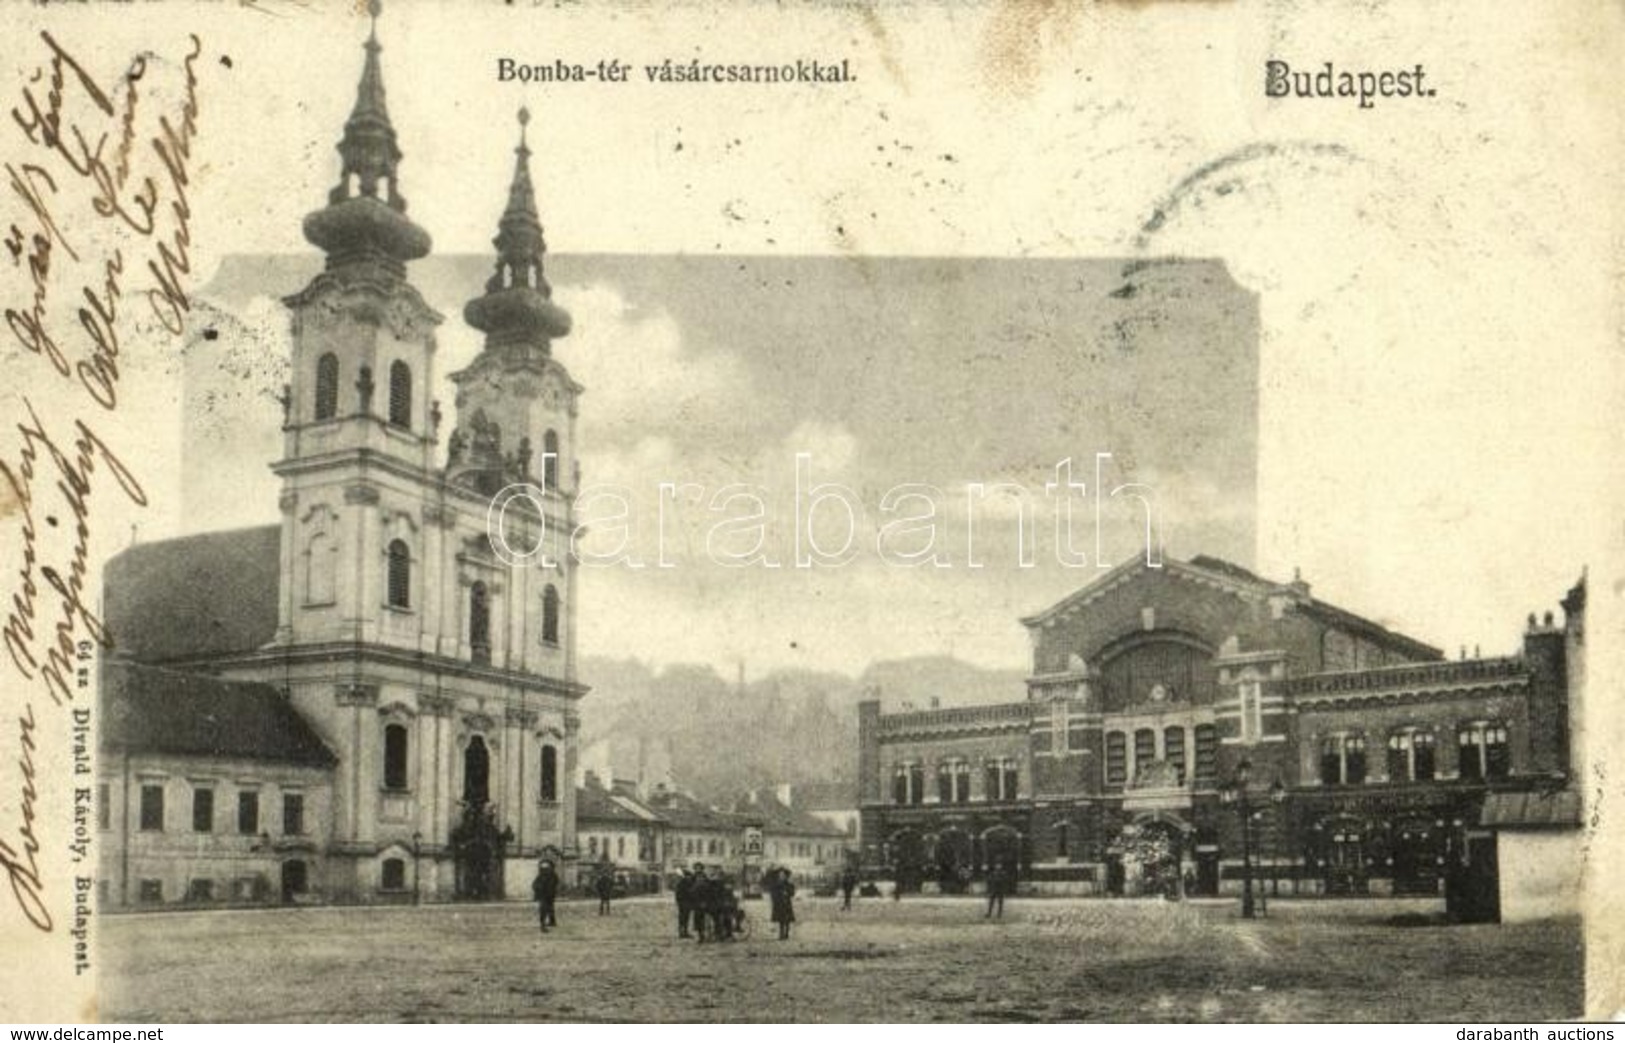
(948, 512)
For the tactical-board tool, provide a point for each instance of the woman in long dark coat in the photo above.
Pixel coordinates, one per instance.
(783, 894)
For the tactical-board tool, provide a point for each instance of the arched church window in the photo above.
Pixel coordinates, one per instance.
(550, 460)
(479, 623)
(395, 748)
(476, 772)
(400, 394)
(327, 386)
(550, 615)
(550, 773)
(400, 575)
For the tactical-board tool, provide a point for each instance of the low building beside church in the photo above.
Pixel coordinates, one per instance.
(1373, 765)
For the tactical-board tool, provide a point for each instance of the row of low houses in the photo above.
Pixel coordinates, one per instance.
(647, 836)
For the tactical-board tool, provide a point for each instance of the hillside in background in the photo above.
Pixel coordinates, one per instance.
(716, 738)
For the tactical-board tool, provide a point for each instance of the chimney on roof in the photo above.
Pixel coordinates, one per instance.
(936, 702)
(783, 791)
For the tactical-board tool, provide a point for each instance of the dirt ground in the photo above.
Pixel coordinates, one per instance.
(922, 959)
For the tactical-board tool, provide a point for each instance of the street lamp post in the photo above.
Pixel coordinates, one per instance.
(1235, 792)
(417, 844)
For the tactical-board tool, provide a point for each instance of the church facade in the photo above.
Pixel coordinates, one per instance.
(372, 700)
(1191, 726)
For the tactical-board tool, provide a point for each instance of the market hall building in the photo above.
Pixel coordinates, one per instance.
(1373, 765)
(365, 701)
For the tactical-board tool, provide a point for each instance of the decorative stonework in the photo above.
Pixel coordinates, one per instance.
(436, 705)
(287, 501)
(365, 494)
(520, 718)
(356, 694)
(443, 517)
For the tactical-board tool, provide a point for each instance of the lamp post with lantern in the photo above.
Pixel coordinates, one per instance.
(1236, 792)
(417, 846)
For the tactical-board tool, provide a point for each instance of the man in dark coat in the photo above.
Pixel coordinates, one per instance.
(685, 901)
(604, 886)
(700, 903)
(545, 889)
(1001, 880)
(849, 883)
(783, 893)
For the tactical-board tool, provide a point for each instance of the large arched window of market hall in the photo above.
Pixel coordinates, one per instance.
(1154, 669)
(400, 394)
(400, 574)
(327, 386)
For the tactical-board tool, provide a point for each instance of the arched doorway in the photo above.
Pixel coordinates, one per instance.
(909, 861)
(478, 844)
(1150, 852)
(295, 880)
(955, 860)
(1002, 846)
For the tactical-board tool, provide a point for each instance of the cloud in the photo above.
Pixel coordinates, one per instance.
(641, 376)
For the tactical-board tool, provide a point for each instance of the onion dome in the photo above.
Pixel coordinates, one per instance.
(517, 307)
(365, 219)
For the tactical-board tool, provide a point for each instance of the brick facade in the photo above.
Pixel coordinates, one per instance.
(1368, 754)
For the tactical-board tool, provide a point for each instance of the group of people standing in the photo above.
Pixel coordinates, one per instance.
(707, 907)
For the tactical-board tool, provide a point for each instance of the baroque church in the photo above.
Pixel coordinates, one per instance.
(368, 701)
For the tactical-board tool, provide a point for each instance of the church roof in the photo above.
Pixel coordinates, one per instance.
(147, 709)
(780, 819)
(196, 596)
(596, 804)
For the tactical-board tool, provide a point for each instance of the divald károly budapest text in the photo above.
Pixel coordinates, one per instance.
(694, 70)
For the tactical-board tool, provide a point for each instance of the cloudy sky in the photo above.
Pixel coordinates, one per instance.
(959, 388)
(1435, 345)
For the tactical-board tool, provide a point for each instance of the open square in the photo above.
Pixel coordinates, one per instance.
(921, 959)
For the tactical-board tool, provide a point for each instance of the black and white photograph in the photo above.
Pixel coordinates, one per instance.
(924, 513)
